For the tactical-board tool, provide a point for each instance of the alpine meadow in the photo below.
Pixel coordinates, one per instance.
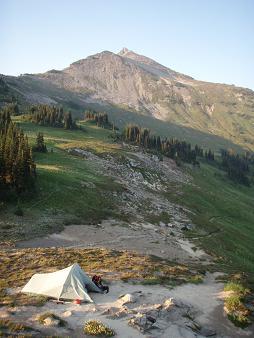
(126, 187)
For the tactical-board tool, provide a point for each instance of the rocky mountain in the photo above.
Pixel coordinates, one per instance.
(141, 89)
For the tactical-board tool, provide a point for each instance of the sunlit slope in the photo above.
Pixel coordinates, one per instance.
(133, 87)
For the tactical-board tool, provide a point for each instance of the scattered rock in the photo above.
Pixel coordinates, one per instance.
(67, 314)
(49, 321)
(152, 315)
(167, 305)
(142, 322)
(118, 314)
(110, 311)
(157, 306)
(128, 298)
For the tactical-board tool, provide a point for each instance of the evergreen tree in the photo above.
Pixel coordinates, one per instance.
(68, 121)
(40, 145)
(17, 168)
(236, 166)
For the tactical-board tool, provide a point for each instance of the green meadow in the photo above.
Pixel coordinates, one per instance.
(223, 213)
(67, 190)
(70, 191)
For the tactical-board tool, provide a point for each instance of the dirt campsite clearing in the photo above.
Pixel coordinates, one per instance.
(187, 311)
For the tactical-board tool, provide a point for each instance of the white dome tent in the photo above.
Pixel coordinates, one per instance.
(69, 283)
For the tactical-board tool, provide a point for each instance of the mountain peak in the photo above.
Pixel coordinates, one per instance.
(125, 51)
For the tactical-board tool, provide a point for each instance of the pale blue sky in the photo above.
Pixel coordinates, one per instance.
(211, 40)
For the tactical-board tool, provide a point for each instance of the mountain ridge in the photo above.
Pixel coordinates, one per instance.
(136, 83)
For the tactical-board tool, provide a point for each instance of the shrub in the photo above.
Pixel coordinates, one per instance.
(97, 328)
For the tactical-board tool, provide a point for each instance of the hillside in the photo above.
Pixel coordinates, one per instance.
(115, 181)
(132, 87)
(153, 229)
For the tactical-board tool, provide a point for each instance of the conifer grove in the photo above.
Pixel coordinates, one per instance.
(52, 116)
(101, 119)
(17, 168)
(173, 148)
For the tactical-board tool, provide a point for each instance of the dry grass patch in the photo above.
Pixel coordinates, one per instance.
(8, 326)
(49, 167)
(18, 265)
(95, 146)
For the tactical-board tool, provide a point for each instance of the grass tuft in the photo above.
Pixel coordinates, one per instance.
(9, 326)
(235, 304)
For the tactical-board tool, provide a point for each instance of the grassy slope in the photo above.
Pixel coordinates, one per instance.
(224, 215)
(222, 209)
(64, 192)
(171, 129)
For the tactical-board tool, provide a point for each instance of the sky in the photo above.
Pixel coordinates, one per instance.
(210, 40)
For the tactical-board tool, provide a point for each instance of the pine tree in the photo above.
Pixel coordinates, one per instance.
(40, 146)
(17, 168)
(67, 121)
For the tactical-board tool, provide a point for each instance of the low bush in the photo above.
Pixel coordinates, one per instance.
(97, 328)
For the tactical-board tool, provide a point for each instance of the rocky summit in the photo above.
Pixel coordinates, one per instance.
(135, 84)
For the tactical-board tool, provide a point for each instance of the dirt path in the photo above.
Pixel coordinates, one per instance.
(142, 237)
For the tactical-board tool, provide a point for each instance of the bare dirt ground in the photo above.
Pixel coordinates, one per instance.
(186, 311)
(144, 238)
